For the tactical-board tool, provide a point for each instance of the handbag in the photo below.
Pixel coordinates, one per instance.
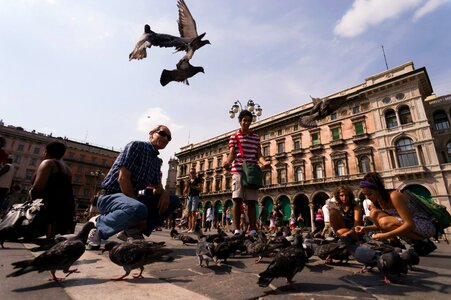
(252, 176)
(24, 220)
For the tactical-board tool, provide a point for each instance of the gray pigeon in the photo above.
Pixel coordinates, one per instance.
(188, 31)
(186, 239)
(391, 264)
(60, 257)
(286, 263)
(151, 38)
(188, 41)
(411, 257)
(136, 254)
(184, 71)
(364, 255)
(321, 108)
(204, 251)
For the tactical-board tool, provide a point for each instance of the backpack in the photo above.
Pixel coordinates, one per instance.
(435, 211)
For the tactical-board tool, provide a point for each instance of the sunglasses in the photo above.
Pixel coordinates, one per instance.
(164, 134)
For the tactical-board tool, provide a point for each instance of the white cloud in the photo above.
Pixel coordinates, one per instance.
(428, 7)
(367, 13)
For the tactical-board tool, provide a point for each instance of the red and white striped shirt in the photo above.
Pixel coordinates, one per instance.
(250, 144)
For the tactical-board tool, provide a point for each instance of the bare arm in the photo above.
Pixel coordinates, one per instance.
(399, 202)
(125, 182)
(262, 159)
(230, 158)
(357, 215)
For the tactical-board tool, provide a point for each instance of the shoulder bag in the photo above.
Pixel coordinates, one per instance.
(252, 175)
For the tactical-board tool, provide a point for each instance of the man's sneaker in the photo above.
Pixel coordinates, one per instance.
(237, 232)
(93, 240)
(132, 233)
(252, 232)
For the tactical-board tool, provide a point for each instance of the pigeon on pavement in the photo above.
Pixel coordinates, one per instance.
(60, 257)
(135, 254)
(364, 255)
(411, 257)
(286, 263)
(184, 71)
(391, 264)
(204, 251)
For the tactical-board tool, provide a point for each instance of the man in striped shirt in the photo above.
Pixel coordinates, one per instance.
(250, 143)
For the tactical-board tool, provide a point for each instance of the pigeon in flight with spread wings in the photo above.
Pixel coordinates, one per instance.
(321, 108)
(188, 31)
(151, 38)
(188, 41)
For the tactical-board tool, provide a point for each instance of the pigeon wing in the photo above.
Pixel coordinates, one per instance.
(187, 24)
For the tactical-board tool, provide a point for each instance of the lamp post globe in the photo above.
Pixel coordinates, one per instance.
(251, 106)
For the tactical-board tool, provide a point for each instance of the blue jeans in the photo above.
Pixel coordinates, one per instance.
(119, 212)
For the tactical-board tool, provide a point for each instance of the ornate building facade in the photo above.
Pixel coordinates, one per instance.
(392, 123)
(89, 163)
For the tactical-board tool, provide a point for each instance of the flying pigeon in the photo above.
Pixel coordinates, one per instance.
(151, 38)
(188, 31)
(60, 257)
(188, 41)
(391, 264)
(286, 263)
(184, 71)
(321, 108)
(135, 254)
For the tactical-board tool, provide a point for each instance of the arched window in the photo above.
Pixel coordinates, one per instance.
(282, 175)
(267, 178)
(318, 171)
(441, 120)
(449, 151)
(299, 174)
(404, 115)
(340, 168)
(390, 118)
(406, 154)
(364, 164)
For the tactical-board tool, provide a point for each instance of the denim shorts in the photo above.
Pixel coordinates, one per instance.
(192, 203)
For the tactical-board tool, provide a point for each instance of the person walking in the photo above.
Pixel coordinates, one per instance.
(249, 142)
(210, 218)
(122, 204)
(192, 190)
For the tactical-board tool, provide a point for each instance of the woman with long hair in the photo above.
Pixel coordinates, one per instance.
(392, 213)
(345, 213)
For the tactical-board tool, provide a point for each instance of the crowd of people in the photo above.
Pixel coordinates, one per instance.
(133, 202)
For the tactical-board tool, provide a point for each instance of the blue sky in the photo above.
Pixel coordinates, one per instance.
(64, 65)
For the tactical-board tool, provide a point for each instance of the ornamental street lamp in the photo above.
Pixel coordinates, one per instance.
(251, 106)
